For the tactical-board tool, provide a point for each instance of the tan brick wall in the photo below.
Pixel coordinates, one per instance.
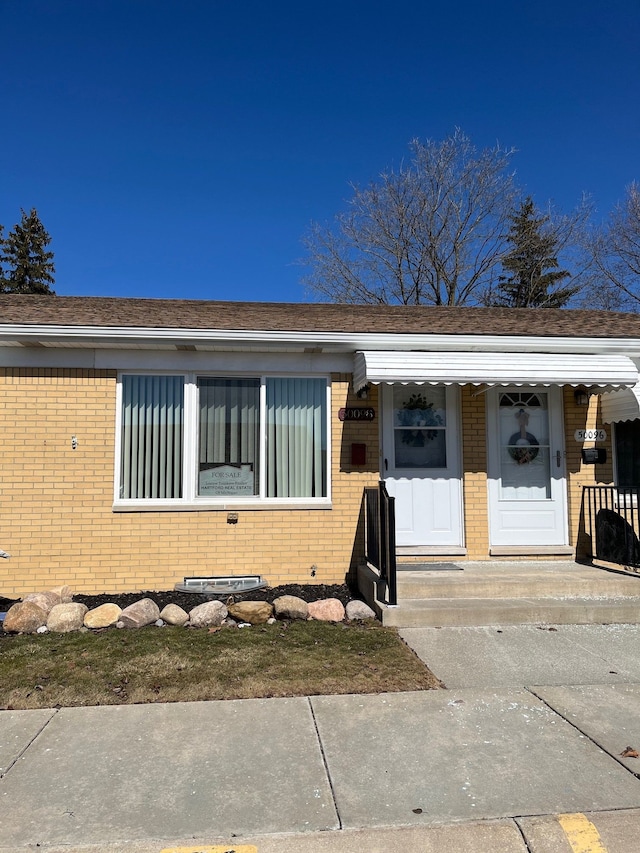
(56, 517)
(474, 467)
(579, 474)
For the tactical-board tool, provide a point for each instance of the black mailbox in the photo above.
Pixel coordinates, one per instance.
(594, 455)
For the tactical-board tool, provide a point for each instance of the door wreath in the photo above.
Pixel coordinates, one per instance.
(523, 446)
(418, 412)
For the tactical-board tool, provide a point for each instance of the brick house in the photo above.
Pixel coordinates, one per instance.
(145, 440)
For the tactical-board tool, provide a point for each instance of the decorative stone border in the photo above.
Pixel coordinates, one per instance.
(55, 610)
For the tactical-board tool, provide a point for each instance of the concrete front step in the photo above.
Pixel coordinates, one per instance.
(468, 612)
(417, 585)
(507, 593)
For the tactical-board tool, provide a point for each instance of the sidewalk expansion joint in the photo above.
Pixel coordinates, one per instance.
(584, 734)
(325, 763)
(516, 821)
(22, 751)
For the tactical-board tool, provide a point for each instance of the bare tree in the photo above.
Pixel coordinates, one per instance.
(615, 249)
(432, 232)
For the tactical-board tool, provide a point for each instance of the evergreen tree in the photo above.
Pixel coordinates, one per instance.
(2, 279)
(29, 265)
(533, 278)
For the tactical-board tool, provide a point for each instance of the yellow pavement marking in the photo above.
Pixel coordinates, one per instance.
(581, 834)
(217, 848)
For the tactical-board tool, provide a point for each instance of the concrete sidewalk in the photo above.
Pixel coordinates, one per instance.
(521, 655)
(191, 773)
(466, 770)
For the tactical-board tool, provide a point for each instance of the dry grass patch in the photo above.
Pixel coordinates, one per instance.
(181, 665)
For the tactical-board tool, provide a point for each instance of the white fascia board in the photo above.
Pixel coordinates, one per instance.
(79, 336)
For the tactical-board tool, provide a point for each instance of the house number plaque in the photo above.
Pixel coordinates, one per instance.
(357, 414)
(590, 435)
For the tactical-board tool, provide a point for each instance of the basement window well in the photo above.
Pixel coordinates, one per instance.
(221, 584)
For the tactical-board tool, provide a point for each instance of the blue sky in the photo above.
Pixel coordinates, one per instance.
(182, 149)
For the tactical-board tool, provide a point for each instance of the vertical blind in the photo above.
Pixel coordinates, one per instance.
(229, 423)
(296, 438)
(152, 436)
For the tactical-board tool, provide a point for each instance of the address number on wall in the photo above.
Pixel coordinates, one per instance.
(590, 435)
(356, 414)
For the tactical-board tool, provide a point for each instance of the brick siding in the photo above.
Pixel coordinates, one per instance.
(57, 522)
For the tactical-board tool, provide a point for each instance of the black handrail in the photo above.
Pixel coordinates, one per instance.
(612, 523)
(380, 538)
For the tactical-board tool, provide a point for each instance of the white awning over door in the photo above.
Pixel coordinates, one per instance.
(605, 372)
(621, 405)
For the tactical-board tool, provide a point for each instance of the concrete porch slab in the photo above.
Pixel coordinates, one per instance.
(506, 593)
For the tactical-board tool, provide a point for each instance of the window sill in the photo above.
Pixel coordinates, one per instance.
(224, 506)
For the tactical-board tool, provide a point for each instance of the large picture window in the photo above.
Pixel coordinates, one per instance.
(200, 440)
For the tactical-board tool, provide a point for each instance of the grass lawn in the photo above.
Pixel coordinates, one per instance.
(113, 667)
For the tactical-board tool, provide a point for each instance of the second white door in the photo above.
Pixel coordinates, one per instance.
(527, 491)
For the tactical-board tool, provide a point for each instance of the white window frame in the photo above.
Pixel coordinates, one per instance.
(190, 500)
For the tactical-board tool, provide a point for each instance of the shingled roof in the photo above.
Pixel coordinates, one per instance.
(183, 314)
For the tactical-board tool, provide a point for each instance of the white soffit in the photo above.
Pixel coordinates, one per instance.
(491, 368)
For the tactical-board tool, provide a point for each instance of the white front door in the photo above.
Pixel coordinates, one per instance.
(527, 489)
(421, 464)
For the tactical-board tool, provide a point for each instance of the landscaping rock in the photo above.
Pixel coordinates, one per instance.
(140, 613)
(66, 617)
(174, 615)
(46, 600)
(359, 610)
(208, 615)
(25, 617)
(327, 610)
(103, 616)
(253, 612)
(290, 607)
(64, 593)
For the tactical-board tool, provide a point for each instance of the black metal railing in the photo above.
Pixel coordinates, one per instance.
(612, 523)
(380, 539)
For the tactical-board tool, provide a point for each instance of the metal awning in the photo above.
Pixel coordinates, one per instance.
(604, 371)
(623, 405)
